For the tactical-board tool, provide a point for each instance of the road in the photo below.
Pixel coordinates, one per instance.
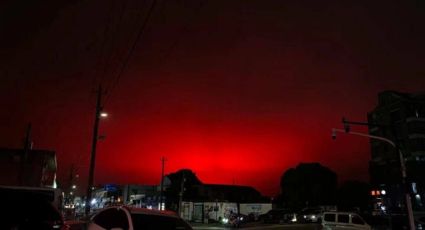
(263, 226)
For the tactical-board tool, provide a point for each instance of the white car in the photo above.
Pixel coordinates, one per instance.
(343, 220)
(129, 218)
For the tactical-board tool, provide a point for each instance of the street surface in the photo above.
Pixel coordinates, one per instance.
(255, 226)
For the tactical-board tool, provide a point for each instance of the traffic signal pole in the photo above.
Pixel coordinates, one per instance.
(403, 170)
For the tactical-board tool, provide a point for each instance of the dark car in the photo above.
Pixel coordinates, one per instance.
(278, 216)
(310, 215)
(235, 220)
(29, 208)
(420, 223)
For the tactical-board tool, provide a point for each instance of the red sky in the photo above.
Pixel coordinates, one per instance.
(237, 91)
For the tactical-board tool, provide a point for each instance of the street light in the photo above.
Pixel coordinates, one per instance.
(402, 166)
(98, 114)
(334, 131)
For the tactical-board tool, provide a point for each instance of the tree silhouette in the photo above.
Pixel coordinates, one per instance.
(309, 184)
(185, 179)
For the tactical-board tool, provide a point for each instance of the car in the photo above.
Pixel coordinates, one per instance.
(310, 215)
(343, 221)
(131, 218)
(30, 208)
(234, 220)
(278, 216)
(420, 223)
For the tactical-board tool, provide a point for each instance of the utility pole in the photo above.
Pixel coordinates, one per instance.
(162, 183)
(181, 193)
(70, 193)
(71, 175)
(27, 147)
(93, 149)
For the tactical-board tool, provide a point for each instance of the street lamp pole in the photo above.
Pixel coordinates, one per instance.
(161, 200)
(93, 150)
(334, 131)
(402, 168)
(183, 179)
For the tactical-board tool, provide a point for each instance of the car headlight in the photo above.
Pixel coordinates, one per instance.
(313, 217)
(225, 220)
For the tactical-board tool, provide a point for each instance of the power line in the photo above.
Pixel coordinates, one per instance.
(182, 31)
(114, 52)
(111, 47)
(167, 53)
(102, 47)
(109, 32)
(127, 43)
(127, 58)
(101, 54)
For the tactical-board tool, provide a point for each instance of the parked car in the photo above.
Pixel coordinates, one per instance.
(310, 215)
(30, 208)
(343, 221)
(420, 223)
(278, 216)
(235, 220)
(130, 218)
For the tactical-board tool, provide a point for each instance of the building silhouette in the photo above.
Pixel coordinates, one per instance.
(399, 117)
(32, 168)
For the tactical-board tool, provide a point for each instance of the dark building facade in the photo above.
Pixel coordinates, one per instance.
(33, 168)
(228, 193)
(401, 119)
(196, 191)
